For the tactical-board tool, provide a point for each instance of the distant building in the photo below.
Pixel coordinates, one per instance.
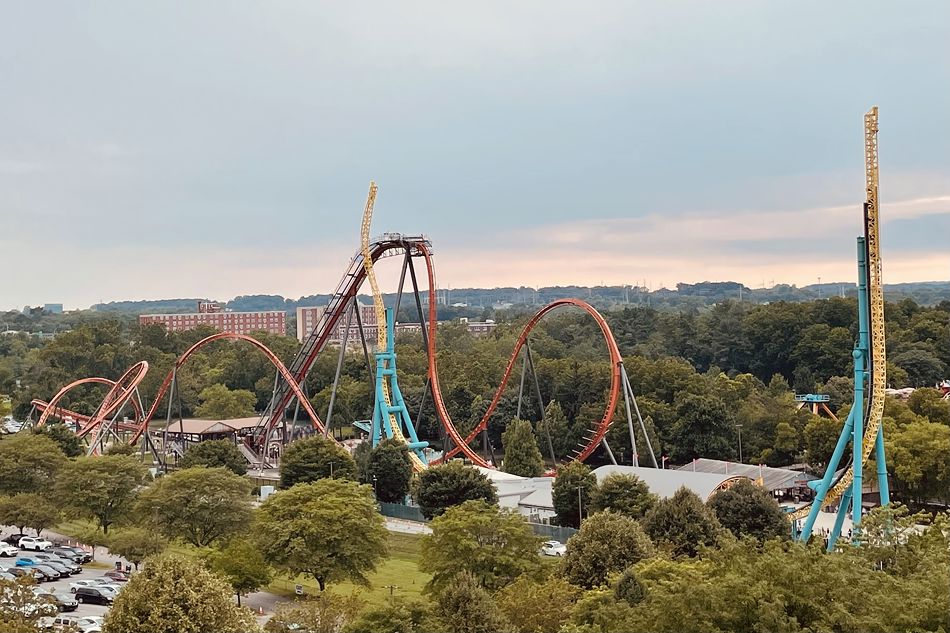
(309, 317)
(273, 322)
(53, 308)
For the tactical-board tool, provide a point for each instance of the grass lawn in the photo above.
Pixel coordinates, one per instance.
(400, 569)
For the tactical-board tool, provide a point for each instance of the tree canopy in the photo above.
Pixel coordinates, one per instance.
(101, 488)
(215, 454)
(389, 464)
(573, 484)
(522, 455)
(173, 594)
(494, 545)
(746, 509)
(624, 494)
(312, 529)
(315, 458)
(607, 543)
(198, 505)
(682, 524)
(450, 485)
(29, 463)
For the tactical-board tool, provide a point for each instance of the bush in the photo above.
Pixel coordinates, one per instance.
(606, 543)
(450, 485)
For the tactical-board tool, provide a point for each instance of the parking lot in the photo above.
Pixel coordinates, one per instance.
(61, 585)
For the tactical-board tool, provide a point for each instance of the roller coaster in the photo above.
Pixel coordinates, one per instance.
(842, 486)
(391, 418)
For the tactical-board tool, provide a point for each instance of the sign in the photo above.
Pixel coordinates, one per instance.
(298, 589)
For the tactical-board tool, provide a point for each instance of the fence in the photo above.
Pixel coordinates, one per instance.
(553, 532)
(413, 513)
(400, 511)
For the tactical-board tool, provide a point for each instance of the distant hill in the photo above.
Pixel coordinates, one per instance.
(475, 301)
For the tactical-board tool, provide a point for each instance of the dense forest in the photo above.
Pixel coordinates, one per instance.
(699, 376)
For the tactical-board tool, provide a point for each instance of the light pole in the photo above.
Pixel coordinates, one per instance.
(375, 488)
(739, 428)
(580, 514)
(331, 470)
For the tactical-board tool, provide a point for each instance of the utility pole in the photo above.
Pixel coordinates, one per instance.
(580, 514)
(819, 288)
(739, 427)
(392, 596)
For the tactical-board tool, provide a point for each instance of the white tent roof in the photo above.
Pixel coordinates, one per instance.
(665, 483)
(772, 478)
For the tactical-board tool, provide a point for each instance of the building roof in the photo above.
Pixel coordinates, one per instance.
(772, 478)
(665, 483)
(192, 426)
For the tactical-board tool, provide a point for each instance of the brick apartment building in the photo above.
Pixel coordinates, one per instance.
(309, 317)
(212, 314)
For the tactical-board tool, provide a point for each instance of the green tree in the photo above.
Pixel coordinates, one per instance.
(198, 505)
(573, 483)
(361, 457)
(465, 606)
(67, 441)
(606, 543)
(327, 613)
(215, 454)
(101, 488)
(522, 456)
(315, 458)
(556, 426)
(395, 617)
(919, 456)
(533, 606)
(135, 544)
(29, 510)
(20, 609)
(821, 436)
(118, 448)
(220, 403)
(173, 594)
(931, 404)
(390, 470)
(309, 529)
(629, 588)
(494, 545)
(450, 485)
(624, 494)
(681, 524)
(704, 428)
(243, 565)
(29, 463)
(746, 509)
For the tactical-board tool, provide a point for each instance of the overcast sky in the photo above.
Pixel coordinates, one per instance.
(173, 149)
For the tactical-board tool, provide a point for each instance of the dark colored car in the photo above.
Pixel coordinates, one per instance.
(94, 595)
(50, 572)
(75, 554)
(63, 601)
(27, 571)
(56, 562)
(13, 539)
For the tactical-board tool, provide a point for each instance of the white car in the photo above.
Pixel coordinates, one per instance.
(76, 584)
(34, 543)
(8, 550)
(553, 548)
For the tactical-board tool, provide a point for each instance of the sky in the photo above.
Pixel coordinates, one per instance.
(214, 149)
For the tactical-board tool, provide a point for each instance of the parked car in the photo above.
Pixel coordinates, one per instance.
(4, 575)
(13, 539)
(59, 566)
(95, 595)
(63, 601)
(116, 575)
(19, 572)
(34, 543)
(553, 548)
(76, 584)
(74, 554)
(50, 572)
(70, 566)
(9, 550)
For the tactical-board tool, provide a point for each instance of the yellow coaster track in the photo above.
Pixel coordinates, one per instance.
(877, 364)
(381, 329)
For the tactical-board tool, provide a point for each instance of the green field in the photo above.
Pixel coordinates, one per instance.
(400, 569)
